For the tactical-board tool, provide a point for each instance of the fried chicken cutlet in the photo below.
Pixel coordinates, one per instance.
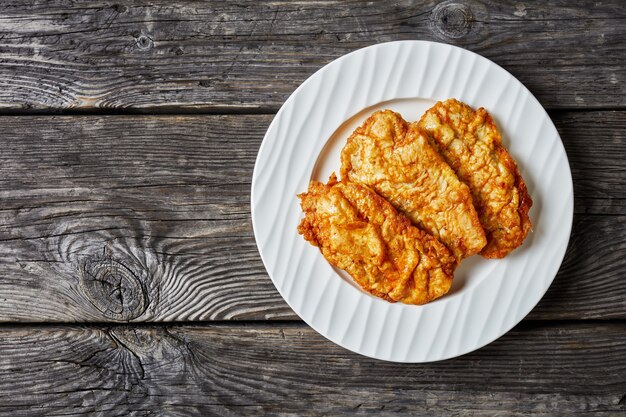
(361, 233)
(396, 160)
(471, 144)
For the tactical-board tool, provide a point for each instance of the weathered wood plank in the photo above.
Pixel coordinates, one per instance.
(147, 218)
(596, 147)
(208, 56)
(590, 281)
(539, 369)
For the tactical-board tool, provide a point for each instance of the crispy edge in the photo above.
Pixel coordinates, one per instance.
(506, 158)
(309, 229)
(468, 201)
(525, 201)
(432, 246)
(402, 225)
(306, 227)
(401, 128)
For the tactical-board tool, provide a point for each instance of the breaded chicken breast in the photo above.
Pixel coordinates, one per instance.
(398, 162)
(361, 233)
(471, 144)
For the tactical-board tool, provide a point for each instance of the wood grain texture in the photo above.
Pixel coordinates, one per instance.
(596, 147)
(589, 283)
(249, 56)
(147, 218)
(543, 369)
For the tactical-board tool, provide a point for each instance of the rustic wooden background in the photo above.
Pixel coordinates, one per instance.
(130, 283)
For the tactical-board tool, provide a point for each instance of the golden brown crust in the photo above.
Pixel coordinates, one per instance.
(396, 160)
(471, 144)
(360, 232)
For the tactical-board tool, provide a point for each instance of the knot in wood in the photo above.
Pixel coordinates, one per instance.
(118, 8)
(452, 20)
(114, 289)
(144, 42)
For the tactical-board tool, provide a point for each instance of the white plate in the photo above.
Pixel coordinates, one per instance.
(488, 297)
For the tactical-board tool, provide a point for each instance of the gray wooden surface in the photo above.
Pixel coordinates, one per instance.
(288, 369)
(248, 55)
(130, 283)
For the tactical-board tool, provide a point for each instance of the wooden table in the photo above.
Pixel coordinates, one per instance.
(130, 282)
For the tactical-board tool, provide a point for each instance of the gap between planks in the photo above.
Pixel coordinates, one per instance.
(526, 324)
(224, 111)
